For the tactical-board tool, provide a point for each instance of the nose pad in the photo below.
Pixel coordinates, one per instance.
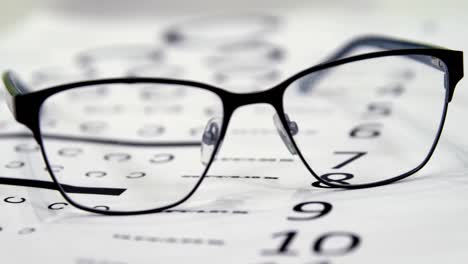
(293, 128)
(211, 135)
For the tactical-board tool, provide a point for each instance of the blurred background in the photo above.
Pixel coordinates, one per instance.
(328, 21)
(13, 10)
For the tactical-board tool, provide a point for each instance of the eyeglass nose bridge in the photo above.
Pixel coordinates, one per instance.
(270, 96)
(213, 132)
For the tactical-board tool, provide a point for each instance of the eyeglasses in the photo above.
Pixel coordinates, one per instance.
(379, 120)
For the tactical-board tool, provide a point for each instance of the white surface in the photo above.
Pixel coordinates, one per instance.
(420, 220)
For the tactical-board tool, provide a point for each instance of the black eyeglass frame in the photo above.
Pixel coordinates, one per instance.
(25, 105)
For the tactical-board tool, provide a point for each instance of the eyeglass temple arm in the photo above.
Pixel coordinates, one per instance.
(379, 42)
(13, 87)
(66, 188)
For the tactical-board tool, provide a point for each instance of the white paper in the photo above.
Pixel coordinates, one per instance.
(244, 214)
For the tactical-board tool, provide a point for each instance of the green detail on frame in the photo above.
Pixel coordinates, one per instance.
(9, 84)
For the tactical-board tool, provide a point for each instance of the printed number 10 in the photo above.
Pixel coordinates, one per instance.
(329, 244)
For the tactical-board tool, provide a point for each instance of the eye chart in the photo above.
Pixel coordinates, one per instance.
(258, 203)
